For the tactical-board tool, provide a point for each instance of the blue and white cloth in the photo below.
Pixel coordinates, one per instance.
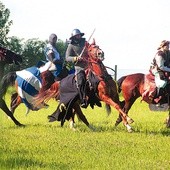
(29, 84)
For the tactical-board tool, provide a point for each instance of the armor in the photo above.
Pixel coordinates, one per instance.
(76, 32)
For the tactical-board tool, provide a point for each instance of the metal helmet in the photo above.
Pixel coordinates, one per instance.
(76, 32)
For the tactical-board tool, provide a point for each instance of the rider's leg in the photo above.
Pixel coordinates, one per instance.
(81, 80)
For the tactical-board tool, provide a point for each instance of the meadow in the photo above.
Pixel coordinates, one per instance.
(47, 146)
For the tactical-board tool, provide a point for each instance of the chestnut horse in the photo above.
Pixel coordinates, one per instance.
(105, 90)
(138, 85)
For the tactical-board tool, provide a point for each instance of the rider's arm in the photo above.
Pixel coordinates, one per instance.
(50, 55)
(70, 56)
(160, 63)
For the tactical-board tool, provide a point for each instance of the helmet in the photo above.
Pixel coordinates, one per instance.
(76, 32)
(163, 43)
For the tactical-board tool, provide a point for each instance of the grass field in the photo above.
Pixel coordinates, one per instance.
(44, 145)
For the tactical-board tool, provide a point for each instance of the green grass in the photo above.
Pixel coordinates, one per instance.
(44, 145)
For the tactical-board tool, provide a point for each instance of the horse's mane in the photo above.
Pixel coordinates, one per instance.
(47, 79)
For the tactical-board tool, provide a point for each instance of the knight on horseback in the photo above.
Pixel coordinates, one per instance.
(73, 52)
(160, 68)
(53, 58)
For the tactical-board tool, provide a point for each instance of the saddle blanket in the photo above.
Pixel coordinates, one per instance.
(29, 83)
(149, 88)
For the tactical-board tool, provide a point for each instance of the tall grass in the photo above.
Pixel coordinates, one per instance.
(44, 145)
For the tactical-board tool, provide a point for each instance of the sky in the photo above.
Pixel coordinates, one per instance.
(128, 31)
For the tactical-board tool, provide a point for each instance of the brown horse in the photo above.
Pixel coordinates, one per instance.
(142, 85)
(104, 89)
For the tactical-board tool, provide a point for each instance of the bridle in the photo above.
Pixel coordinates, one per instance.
(96, 53)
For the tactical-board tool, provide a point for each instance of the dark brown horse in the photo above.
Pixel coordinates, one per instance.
(8, 57)
(142, 85)
(104, 89)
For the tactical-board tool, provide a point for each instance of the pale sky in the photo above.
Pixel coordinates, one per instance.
(128, 31)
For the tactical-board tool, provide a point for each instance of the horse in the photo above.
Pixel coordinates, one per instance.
(142, 85)
(8, 57)
(103, 88)
(47, 78)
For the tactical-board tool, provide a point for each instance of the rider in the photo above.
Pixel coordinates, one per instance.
(160, 66)
(74, 49)
(53, 58)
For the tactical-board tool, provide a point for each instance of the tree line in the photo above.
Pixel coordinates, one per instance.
(31, 50)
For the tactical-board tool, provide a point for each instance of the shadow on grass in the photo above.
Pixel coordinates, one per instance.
(21, 163)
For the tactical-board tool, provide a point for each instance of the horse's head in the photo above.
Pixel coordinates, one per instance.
(13, 57)
(94, 52)
(95, 56)
(9, 57)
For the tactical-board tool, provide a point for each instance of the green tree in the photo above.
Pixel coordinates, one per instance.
(32, 52)
(16, 45)
(4, 24)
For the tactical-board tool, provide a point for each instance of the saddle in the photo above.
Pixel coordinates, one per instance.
(149, 88)
(150, 94)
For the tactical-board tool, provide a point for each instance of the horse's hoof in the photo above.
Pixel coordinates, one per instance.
(74, 129)
(130, 120)
(21, 125)
(116, 124)
(130, 130)
(91, 128)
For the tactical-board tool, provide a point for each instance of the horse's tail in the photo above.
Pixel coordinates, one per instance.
(119, 83)
(7, 80)
(45, 96)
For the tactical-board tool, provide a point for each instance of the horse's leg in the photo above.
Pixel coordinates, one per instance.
(107, 99)
(15, 101)
(81, 116)
(121, 112)
(4, 107)
(126, 105)
(72, 122)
